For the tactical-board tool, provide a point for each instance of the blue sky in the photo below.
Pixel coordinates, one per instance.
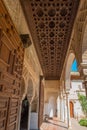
(74, 67)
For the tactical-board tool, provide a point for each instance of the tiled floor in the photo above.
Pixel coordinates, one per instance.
(58, 125)
(76, 126)
(55, 124)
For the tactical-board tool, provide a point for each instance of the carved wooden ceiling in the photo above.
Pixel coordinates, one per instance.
(50, 23)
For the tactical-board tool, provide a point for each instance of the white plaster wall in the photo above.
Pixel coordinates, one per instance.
(76, 86)
(46, 112)
(50, 96)
(34, 120)
(51, 89)
(78, 110)
(50, 107)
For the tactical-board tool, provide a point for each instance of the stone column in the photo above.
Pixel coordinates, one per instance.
(19, 117)
(62, 109)
(58, 107)
(65, 109)
(29, 116)
(68, 111)
(30, 99)
(83, 73)
(41, 101)
(85, 85)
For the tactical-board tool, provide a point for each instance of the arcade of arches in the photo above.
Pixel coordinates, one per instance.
(39, 41)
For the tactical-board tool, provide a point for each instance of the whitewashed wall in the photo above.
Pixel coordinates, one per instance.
(76, 86)
(50, 107)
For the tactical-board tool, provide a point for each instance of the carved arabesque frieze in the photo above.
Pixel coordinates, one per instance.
(28, 74)
(30, 63)
(16, 13)
(32, 59)
(30, 91)
(25, 72)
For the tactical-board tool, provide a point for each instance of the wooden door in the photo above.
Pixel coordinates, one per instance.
(71, 110)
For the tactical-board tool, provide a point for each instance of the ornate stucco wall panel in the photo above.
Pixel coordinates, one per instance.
(31, 67)
(16, 13)
(32, 70)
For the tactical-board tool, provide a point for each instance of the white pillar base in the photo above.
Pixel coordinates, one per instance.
(69, 128)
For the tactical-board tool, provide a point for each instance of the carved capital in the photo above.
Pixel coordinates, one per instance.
(85, 85)
(83, 69)
(80, 69)
(26, 40)
(41, 77)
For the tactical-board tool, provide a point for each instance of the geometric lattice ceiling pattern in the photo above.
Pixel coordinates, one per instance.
(50, 23)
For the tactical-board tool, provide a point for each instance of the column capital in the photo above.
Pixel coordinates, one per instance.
(67, 92)
(83, 69)
(25, 40)
(85, 85)
(84, 65)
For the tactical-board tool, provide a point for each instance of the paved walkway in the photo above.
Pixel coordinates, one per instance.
(76, 126)
(53, 125)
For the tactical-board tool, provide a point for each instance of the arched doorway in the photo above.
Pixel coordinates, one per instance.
(71, 109)
(24, 114)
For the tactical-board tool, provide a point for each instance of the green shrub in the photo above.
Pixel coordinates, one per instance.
(83, 122)
(83, 101)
